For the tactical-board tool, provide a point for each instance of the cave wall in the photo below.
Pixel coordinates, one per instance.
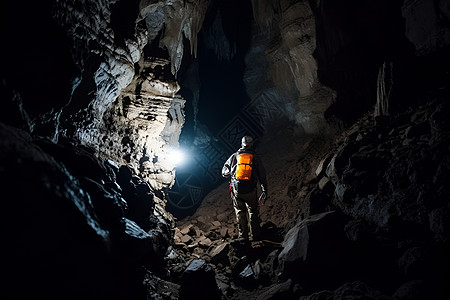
(326, 61)
(104, 73)
(288, 44)
(356, 39)
(88, 118)
(125, 103)
(426, 25)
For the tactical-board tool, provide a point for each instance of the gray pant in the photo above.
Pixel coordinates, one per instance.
(246, 208)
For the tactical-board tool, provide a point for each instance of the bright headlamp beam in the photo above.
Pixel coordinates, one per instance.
(178, 157)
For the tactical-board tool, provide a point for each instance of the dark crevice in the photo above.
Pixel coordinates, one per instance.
(123, 18)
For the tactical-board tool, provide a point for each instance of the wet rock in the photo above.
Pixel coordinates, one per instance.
(97, 178)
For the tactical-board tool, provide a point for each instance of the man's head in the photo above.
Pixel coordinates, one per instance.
(247, 142)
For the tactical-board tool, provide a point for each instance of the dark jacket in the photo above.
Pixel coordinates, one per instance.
(258, 172)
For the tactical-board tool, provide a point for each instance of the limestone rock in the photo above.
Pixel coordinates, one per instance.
(289, 59)
(124, 104)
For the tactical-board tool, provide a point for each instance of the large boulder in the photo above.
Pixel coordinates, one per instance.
(50, 230)
(316, 251)
(64, 224)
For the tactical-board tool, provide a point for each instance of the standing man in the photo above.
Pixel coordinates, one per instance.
(245, 169)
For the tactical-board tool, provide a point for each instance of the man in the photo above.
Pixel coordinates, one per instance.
(245, 169)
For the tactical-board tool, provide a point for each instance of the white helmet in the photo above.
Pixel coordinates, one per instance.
(247, 142)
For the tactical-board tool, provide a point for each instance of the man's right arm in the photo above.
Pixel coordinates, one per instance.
(261, 174)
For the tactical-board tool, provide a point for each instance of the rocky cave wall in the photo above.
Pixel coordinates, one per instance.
(355, 40)
(90, 133)
(287, 43)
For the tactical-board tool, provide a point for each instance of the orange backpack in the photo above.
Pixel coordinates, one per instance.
(244, 166)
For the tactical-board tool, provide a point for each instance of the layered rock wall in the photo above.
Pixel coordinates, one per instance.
(124, 104)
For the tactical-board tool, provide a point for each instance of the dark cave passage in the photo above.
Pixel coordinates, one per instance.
(213, 86)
